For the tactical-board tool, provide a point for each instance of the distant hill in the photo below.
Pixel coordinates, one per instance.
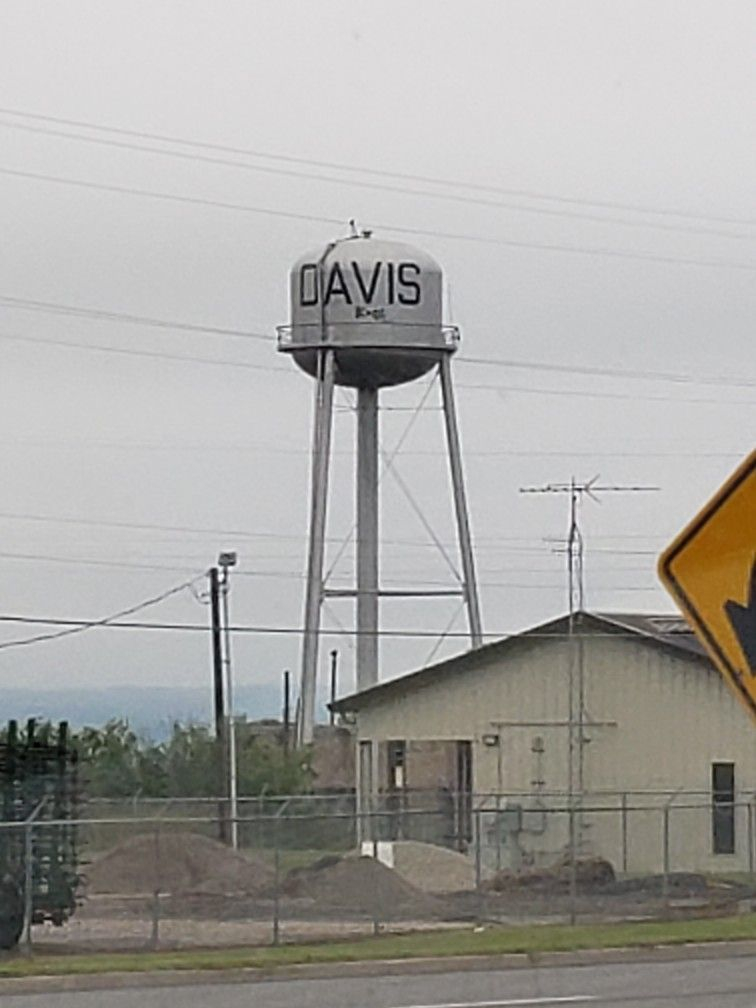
(149, 710)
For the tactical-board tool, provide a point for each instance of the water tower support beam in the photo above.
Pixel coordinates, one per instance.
(321, 451)
(367, 538)
(460, 503)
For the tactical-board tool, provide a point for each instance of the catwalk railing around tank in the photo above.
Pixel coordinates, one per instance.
(365, 335)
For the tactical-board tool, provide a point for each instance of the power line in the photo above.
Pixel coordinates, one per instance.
(145, 526)
(155, 354)
(278, 575)
(373, 185)
(75, 627)
(594, 394)
(420, 568)
(183, 529)
(396, 229)
(605, 372)
(487, 542)
(272, 449)
(27, 304)
(171, 197)
(292, 372)
(263, 630)
(182, 565)
(340, 166)
(87, 562)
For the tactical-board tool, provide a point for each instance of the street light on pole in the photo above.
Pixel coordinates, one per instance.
(226, 560)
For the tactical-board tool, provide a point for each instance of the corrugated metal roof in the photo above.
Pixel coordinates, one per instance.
(661, 630)
(669, 629)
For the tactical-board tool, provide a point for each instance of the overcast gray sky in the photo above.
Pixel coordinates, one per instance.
(600, 213)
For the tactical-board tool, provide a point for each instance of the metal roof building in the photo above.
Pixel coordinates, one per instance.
(623, 727)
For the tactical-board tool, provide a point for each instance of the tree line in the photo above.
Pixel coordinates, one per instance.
(116, 762)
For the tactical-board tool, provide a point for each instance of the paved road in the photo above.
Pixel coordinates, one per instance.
(713, 983)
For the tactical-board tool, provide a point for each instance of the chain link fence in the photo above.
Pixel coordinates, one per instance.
(307, 868)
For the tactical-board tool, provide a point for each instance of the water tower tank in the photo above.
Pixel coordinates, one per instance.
(378, 304)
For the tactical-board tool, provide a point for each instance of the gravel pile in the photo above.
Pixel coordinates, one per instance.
(176, 863)
(433, 869)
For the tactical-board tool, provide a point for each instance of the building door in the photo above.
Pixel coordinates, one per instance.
(396, 797)
(463, 795)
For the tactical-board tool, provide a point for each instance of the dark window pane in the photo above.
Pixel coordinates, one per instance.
(723, 807)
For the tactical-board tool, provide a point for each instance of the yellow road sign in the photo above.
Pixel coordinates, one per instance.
(710, 571)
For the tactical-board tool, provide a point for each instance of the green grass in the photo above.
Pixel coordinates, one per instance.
(490, 941)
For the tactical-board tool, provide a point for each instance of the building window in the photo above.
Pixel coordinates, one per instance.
(397, 764)
(723, 807)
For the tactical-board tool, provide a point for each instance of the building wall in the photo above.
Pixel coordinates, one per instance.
(667, 717)
(333, 758)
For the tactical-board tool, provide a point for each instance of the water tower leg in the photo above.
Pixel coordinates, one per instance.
(367, 538)
(321, 450)
(460, 503)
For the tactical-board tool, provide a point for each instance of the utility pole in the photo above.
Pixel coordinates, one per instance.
(226, 560)
(575, 552)
(221, 747)
(217, 651)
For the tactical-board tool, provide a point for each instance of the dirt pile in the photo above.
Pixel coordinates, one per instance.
(361, 885)
(176, 863)
(431, 868)
(590, 873)
(678, 884)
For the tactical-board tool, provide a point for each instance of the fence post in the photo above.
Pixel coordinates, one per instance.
(155, 930)
(276, 887)
(28, 882)
(277, 818)
(750, 814)
(478, 865)
(374, 825)
(498, 831)
(665, 848)
(573, 863)
(624, 832)
(355, 830)
(29, 872)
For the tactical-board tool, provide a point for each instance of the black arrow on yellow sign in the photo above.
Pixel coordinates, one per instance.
(743, 621)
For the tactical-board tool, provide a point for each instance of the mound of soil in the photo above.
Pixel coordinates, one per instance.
(591, 873)
(361, 885)
(678, 884)
(176, 863)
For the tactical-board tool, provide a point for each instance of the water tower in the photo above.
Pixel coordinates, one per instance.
(367, 314)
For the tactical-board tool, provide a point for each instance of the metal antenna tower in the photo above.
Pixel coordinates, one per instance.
(575, 542)
(575, 552)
